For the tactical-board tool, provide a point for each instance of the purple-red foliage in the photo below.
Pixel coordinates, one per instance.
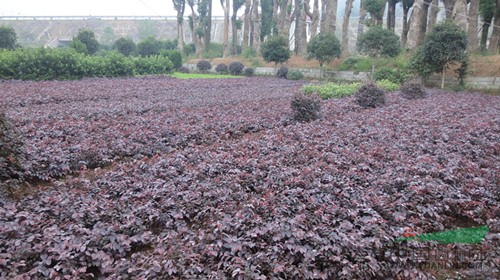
(229, 189)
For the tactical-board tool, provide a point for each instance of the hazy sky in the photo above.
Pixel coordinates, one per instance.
(92, 7)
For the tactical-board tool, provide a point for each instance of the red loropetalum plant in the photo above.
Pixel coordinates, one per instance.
(306, 108)
(207, 179)
(10, 150)
(370, 95)
(413, 90)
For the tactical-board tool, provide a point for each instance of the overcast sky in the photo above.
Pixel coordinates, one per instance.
(92, 8)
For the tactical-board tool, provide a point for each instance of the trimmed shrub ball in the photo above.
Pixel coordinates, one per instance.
(370, 95)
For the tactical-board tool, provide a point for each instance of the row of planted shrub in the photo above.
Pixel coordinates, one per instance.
(66, 64)
(234, 68)
(306, 106)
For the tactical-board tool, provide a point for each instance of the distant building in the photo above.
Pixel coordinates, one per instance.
(59, 43)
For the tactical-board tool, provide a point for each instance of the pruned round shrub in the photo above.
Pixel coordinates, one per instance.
(306, 108)
(236, 68)
(10, 151)
(370, 95)
(295, 75)
(184, 69)
(413, 90)
(221, 68)
(204, 66)
(248, 72)
(282, 72)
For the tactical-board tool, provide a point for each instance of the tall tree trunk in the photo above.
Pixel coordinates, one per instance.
(361, 20)
(443, 74)
(472, 26)
(234, 28)
(196, 39)
(459, 15)
(495, 36)
(256, 26)
(448, 6)
(246, 24)
(284, 20)
(208, 26)
(314, 16)
(391, 14)
(345, 27)
(180, 35)
(226, 50)
(433, 13)
(484, 33)
(234, 25)
(180, 6)
(406, 27)
(329, 16)
(276, 19)
(418, 23)
(296, 34)
(303, 32)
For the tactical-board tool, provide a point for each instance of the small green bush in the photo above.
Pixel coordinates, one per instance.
(248, 72)
(306, 108)
(331, 90)
(413, 90)
(295, 75)
(391, 74)
(153, 65)
(282, 72)
(388, 85)
(221, 68)
(370, 95)
(203, 66)
(174, 56)
(125, 46)
(189, 49)
(236, 68)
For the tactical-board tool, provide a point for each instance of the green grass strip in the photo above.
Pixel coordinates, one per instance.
(462, 236)
(179, 75)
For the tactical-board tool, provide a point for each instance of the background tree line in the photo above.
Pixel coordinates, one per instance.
(264, 18)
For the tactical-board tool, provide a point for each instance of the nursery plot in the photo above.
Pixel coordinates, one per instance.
(255, 196)
(73, 125)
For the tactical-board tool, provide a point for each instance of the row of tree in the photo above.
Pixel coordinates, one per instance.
(262, 18)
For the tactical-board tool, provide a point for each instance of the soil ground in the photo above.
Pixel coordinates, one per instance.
(481, 66)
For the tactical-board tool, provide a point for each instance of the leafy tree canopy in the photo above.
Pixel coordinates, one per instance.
(444, 45)
(8, 38)
(375, 8)
(125, 46)
(275, 49)
(378, 42)
(324, 48)
(149, 46)
(87, 37)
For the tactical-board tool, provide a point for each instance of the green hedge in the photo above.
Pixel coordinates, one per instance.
(65, 64)
(331, 90)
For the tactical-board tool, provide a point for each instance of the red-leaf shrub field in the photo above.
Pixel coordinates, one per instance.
(158, 178)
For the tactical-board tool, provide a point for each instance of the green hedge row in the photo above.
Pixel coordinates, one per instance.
(66, 64)
(333, 90)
